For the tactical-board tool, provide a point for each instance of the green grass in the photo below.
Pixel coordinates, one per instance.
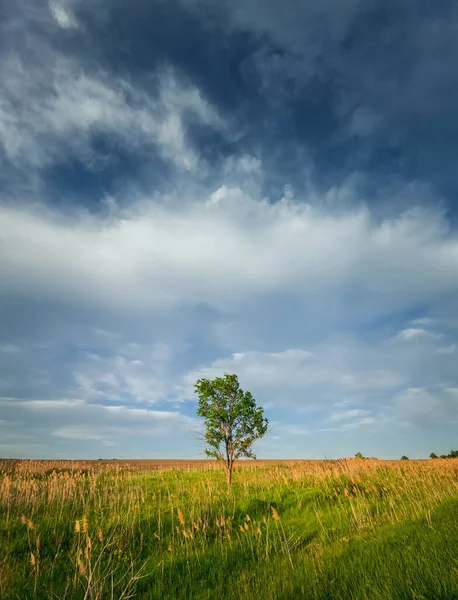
(357, 530)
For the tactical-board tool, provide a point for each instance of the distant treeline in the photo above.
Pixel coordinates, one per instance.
(451, 454)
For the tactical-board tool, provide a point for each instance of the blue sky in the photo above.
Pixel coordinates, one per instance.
(190, 188)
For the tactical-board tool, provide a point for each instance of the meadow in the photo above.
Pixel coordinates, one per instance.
(345, 529)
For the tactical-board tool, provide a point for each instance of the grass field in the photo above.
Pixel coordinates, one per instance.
(349, 529)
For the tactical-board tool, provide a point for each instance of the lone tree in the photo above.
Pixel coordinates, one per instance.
(233, 421)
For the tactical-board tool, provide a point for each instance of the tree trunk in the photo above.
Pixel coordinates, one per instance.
(229, 475)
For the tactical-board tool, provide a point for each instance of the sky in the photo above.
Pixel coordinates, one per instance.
(191, 188)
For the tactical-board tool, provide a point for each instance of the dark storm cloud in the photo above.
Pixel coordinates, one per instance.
(316, 89)
(383, 76)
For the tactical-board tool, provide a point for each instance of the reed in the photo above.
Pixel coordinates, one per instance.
(298, 529)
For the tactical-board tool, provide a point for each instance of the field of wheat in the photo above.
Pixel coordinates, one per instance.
(348, 529)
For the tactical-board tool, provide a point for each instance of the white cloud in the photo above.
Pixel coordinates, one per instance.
(428, 407)
(222, 253)
(136, 374)
(285, 429)
(349, 414)
(87, 432)
(55, 405)
(359, 424)
(53, 107)
(120, 421)
(423, 322)
(303, 379)
(415, 333)
(62, 14)
(162, 352)
(78, 420)
(348, 382)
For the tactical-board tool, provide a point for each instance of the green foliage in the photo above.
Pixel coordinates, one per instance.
(233, 421)
(451, 454)
(359, 455)
(404, 457)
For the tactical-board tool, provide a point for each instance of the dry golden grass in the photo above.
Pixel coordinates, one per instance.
(48, 465)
